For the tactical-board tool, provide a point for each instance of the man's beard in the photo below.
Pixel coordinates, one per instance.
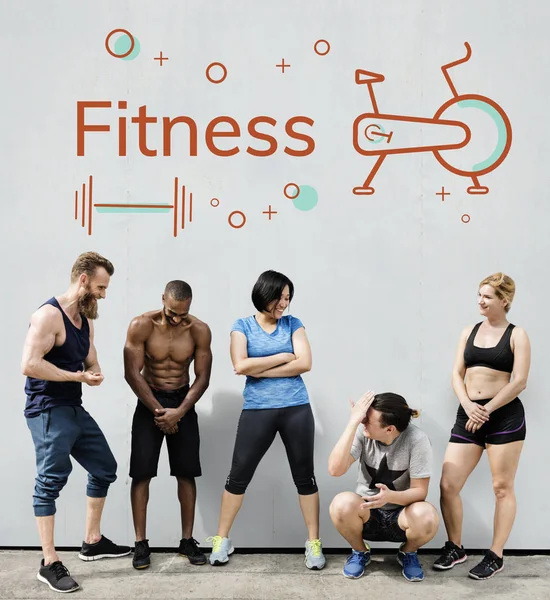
(87, 305)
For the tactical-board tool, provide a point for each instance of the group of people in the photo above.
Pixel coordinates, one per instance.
(271, 349)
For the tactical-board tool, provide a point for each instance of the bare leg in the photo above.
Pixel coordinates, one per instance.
(310, 510)
(45, 530)
(349, 518)
(94, 510)
(503, 460)
(420, 522)
(231, 504)
(459, 461)
(187, 495)
(140, 498)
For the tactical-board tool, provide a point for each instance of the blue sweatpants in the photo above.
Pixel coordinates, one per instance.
(59, 433)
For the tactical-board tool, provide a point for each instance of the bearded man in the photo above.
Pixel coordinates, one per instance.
(58, 357)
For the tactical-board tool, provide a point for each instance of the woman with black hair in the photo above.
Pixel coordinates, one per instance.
(272, 350)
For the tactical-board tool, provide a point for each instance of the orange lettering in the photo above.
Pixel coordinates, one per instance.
(210, 134)
(142, 119)
(81, 126)
(167, 129)
(300, 136)
(262, 136)
(122, 130)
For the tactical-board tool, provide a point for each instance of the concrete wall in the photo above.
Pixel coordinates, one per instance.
(384, 282)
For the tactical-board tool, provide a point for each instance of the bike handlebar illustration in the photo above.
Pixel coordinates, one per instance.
(378, 134)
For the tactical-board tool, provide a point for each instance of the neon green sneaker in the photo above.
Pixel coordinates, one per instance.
(221, 549)
(315, 559)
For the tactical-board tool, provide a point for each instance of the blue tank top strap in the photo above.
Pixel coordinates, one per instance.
(85, 328)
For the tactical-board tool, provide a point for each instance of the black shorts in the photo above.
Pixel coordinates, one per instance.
(183, 446)
(505, 425)
(382, 526)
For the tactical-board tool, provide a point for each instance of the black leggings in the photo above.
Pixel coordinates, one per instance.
(255, 434)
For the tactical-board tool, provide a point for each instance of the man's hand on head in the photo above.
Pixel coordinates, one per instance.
(360, 408)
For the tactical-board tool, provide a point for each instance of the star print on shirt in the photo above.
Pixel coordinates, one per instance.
(383, 475)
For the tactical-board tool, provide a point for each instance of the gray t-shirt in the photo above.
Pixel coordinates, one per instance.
(408, 457)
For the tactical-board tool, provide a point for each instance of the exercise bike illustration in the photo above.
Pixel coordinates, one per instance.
(379, 134)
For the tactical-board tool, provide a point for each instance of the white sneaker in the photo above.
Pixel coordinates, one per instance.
(315, 559)
(221, 549)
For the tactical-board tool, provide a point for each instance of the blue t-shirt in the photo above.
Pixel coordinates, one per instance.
(271, 392)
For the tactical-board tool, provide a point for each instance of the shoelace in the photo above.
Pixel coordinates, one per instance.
(448, 551)
(194, 544)
(315, 548)
(59, 569)
(489, 561)
(356, 557)
(141, 549)
(216, 542)
(410, 559)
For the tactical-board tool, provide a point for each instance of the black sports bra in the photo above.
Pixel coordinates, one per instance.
(499, 357)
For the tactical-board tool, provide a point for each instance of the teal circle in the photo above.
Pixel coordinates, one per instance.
(123, 44)
(381, 129)
(501, 127)
(307, 198)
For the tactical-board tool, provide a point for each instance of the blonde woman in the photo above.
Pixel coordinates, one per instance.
(490, 370)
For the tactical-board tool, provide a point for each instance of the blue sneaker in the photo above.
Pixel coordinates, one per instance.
(412, 569)
(356, 563)
(221, 549)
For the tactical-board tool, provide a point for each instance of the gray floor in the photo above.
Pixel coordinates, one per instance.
(272, 576)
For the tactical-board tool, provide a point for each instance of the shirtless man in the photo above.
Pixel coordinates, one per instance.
(159, 349)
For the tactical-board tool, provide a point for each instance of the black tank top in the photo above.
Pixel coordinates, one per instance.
(70, 356)
(499, 357)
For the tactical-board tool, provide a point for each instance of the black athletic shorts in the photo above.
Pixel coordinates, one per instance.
(505, 425)
(382, 526)
(183, 446)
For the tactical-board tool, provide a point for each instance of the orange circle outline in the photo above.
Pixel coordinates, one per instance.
(465, 215)
(216, 64)
(132, 45)
(317, 51)
(214, 205)
(507, 125)
(236, 212)
(297, 193)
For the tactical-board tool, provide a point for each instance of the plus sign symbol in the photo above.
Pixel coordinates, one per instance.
(443, 193)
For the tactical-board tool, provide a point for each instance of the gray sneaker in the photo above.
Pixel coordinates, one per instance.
(221, 549)
(315, 559)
